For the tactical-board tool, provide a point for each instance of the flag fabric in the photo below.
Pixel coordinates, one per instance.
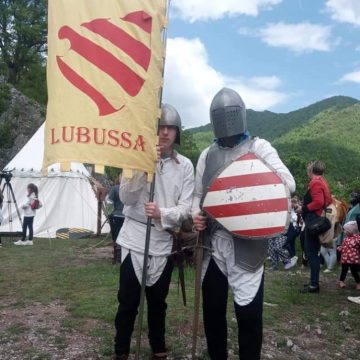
(104, 76)
(249, 199)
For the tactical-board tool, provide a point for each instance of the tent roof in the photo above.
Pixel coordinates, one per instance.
(28, 161)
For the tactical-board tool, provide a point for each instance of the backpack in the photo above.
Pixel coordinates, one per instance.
(35, 204)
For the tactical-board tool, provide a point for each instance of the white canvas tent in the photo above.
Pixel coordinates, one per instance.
(68, 198)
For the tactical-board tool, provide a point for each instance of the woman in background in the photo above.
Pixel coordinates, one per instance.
(315, 200)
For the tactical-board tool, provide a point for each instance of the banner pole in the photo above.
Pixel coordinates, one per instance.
(148, 223)
(198, 268)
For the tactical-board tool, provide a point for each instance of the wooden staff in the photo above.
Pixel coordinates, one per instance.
(198, 264)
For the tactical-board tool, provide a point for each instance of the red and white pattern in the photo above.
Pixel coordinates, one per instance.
(109, 64)
(249, 199)
(350, 250)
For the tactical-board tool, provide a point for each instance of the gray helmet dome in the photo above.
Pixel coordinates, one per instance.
(170, 117)
(228, 114)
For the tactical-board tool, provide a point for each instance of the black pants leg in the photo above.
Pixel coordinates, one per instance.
(344, 271)
(290, 240)
(116, 223)
(129, 299)
(215, 293)
(354, 268)
(312, 246)
(27, 223)
(31, 231)
(250, 324)
(303, 249)
(155, 296)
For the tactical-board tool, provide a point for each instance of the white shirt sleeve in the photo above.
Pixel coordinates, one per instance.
(172, 217)
(130, 189)
(264, 149)
(198, 192)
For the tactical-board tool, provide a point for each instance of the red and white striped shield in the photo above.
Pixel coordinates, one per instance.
(249, 199)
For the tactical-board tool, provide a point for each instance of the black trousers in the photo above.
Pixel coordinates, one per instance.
(354, 268)
(129, 299)
(27, 223)
(115, 222)
(249, 317)
(291, 236)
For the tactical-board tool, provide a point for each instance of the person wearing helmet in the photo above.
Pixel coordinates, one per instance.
(174, 185)
(236, 263)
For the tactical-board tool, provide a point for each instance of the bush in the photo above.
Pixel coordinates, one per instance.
(4, 97)
(6, 139)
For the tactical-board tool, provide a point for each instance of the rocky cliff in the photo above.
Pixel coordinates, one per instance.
(20, 117)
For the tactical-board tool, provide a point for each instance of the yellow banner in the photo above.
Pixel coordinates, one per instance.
(104, 74)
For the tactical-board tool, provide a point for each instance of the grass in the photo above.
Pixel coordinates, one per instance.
(70, 277)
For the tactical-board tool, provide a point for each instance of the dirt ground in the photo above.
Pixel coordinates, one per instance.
(41, 332)
(36, 332)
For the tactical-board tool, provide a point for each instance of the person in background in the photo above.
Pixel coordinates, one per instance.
(29, 208)
(236, 263)
(350, 254)
(316, 198)
(1, 215)
(116, 218)
(294, 227)
(174, 186)
(277, 252)
(356, 299)
(352, 213)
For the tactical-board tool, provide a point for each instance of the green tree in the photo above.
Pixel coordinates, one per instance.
(23, 29)
(188, 147)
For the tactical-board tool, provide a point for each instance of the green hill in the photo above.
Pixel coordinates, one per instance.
(270, 126)
(327, 130)
(331, 136)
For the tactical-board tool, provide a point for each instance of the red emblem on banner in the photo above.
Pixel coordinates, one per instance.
(108, 63)
(249, 199)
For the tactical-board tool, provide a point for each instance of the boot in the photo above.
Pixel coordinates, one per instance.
(120, 357)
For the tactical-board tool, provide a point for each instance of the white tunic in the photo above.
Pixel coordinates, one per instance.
(28, 211)
(174, 186)
(243, 283)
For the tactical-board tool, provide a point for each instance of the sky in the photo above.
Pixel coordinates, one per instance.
(280, 55)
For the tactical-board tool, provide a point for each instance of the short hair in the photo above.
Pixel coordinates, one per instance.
(317, 167)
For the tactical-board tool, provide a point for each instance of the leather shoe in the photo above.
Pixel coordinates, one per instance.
(310, 289)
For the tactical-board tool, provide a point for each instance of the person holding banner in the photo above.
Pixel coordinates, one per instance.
(238, 262)
(174, 186)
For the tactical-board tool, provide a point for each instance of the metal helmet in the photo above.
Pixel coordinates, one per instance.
(228, 114)
(170, 117)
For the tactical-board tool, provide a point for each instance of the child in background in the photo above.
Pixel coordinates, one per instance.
(350, 254)
(29, 206)
(277, 252)
(294, 227)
